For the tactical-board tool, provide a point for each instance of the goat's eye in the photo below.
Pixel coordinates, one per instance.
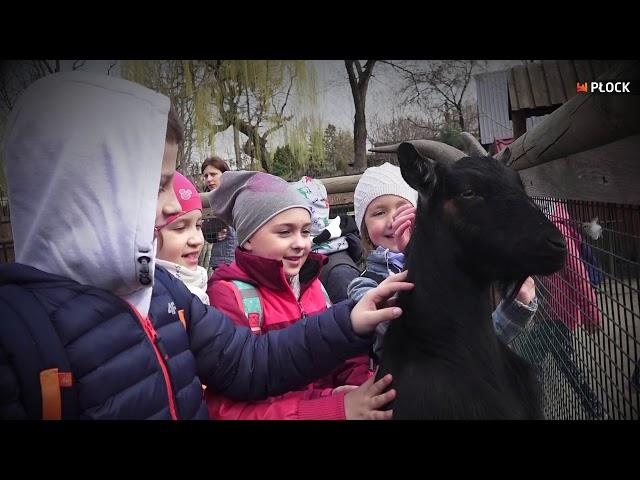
(468, 194)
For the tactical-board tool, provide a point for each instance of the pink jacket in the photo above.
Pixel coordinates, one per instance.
(571, 297)
(280, 309)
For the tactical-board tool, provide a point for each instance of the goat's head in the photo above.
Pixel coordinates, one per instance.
(503, 235)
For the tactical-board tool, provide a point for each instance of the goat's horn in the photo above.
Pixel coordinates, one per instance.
(386, 148)
(438, 151)
(472, 146)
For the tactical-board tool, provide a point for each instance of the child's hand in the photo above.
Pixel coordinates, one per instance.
(222, 234)
(363, 402)
(377, 305)
(343, 389)
(402, 224)
(527, 291)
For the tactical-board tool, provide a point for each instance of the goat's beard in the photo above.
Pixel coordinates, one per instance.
(510, 289)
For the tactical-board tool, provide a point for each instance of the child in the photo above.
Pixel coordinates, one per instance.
(337, 238)
(91, 327)
(276, 269)
(384, 207)
(180, 240)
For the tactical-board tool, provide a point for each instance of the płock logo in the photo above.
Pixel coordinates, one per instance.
(603, 87)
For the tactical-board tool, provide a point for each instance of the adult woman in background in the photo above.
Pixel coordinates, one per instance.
(219, 234)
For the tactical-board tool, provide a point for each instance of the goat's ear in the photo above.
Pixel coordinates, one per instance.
(417, 171)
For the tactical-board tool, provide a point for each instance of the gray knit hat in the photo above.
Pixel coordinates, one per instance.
(377, 181)
(248, 200)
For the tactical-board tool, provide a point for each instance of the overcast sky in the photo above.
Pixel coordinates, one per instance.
(334, 103)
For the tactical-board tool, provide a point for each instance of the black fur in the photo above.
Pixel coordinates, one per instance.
(475, 226)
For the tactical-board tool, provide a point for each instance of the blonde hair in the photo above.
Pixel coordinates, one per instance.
(366, 239)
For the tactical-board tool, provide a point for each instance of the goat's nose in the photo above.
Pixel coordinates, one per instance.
(557, 241)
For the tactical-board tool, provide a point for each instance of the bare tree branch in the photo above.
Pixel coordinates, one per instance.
(286, 99)
(358, 68)
(445, 79)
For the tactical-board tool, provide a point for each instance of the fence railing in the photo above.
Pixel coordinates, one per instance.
(584, 341)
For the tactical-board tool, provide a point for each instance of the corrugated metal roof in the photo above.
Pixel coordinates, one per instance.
(493, 106)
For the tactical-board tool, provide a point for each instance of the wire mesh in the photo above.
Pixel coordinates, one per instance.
(584, 340)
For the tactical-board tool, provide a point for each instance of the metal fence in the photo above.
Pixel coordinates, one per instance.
(584, 341)
(211, 227)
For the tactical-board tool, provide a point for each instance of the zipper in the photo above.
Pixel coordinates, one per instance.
(302, 312)
(154, 338)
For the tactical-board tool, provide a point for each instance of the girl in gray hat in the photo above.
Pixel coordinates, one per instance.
(273, 283)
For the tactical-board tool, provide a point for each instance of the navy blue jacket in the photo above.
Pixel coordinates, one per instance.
(126, 368)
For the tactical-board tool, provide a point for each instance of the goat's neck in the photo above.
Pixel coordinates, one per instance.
(447, 302)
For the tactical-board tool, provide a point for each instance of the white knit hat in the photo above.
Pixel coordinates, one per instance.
(377, 181)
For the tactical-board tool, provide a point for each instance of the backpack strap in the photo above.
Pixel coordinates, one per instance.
(248, 299)
(333, 260)
(38, 356)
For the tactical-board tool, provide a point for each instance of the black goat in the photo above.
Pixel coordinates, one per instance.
(474, 226)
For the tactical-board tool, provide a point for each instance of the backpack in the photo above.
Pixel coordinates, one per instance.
(250, 303)
(335, 259)
(38, 356)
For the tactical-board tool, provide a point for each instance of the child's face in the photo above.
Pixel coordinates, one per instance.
(182, 240)
(285, 237)
(167, 202)
(378, 219)
(211, 176)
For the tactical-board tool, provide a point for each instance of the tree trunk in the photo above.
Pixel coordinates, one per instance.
(359, 82)
(236, 147)
(257, 149)
(262, 145)
(360, 138)
(460, 117)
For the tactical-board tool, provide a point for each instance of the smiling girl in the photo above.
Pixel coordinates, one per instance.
(180, 239)
(275, 270)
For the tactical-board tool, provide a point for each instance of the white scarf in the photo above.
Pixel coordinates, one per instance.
(195, 280)
(294, 283)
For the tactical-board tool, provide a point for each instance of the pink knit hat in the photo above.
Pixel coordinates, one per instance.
(187, 194)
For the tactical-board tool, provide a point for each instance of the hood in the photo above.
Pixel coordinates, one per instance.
(83, 155)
